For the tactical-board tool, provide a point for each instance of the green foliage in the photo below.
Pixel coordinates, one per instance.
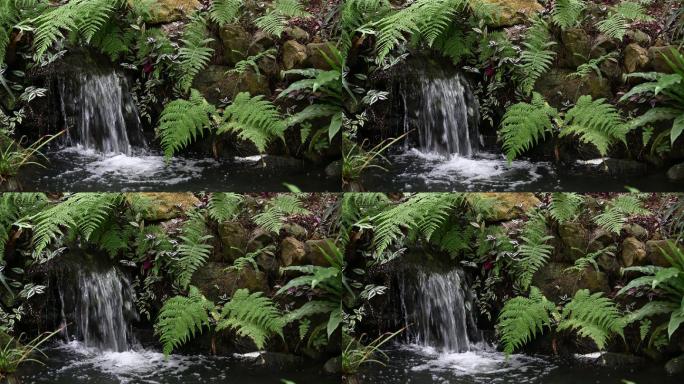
(180, 318)
(566, 13)
(592, 316)
(225, 11)
(277, 210)
(275, 20)
(193, 250)
(583, 70)
(589, 260)
(253, 316)
(251, 62)
(537, 56)
(596, 122)
(533, 251)
(670, 88)
(357, 13)
(666, 284)
(182, 121)
(619, 18)
(618, 210)
(195, 53)
(224, 206)
(522, 318)
(525, 124)
(564, 206)
(13, 207)
(254, 119)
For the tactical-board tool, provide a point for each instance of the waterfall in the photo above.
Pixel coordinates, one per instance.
(443, 110)
(99, 111)
(97, 306)
(436, 307)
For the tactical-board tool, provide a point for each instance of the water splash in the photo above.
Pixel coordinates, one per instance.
(100, 112)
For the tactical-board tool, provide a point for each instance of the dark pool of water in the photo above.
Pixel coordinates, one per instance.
(74, 364)
(412, 170)
(79, 170)
(411, 364)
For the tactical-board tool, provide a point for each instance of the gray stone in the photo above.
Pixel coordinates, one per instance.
(676, 172)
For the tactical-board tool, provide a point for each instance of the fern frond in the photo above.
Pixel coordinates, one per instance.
(277, 210)
(534, 251)
(596, 122)
(275, 20)
(565, 206)
(536, 57)
(617, 22)
(182, 121)
(592, 316)
(181, 318)
(618, 210)
(195, 53)
(224, 206)
(522, 318)
(253, 316)
(566, 13)
(225, 11)
(193, 250)
(524, 125)
(254, 119)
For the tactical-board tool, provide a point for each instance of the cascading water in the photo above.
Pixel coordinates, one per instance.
(100, 112)
(444, 111)
(437, 311)
(98, 307)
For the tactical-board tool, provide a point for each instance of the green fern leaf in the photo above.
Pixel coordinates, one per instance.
(225, 11)
(193, 250)
(253, 316)
(592, 316)
(565, 206)
(524, 125)
(254, 119)
(522, 318)
(182, 121)
(224, 206)
(181, 318)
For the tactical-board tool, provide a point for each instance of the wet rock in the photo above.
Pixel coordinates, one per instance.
(234, 238)
(167, 11)
(558, 87)
(236, 42)
(508, 206)
(654, 252)
(316, 251)
(281, 361)
(333, 366)
(292, 252)
(615, 360)
(575, 239)
(216, 82)
(636, 58)
(639, 37)
(609, 264)
(611, 69)
(297, 33)
(269, 262)
(633, 252)
(259, 239)
(636, 230)
(268, 65)
(555, 281)
(294, 54)
(657, 56)
(217, 279)
(576, 46)
(512, 12)
(296, 230)
(675, 366)
(676, 172)
(261, 41)
(624, 167)
(317, 53)
(334, 169)
(166, 205)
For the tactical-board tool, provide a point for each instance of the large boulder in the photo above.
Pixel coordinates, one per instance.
(292, 252)
(294, 54)
(633, 252)
(317, 53)
(512, 12)
(216, 279)
(508, 206)
(166, 205)
(167, 11)
(576, 46)
(556, 281)
(316, 251)
(636, 58)
(217, 82)
(236, 43)
(234, 238)
(558, 87)
(575, 239)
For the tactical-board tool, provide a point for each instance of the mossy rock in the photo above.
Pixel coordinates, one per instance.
(167, 205)
(215, 279)
(234, 238)
(236, 43)
(658, 54)
(556, 281)
(167, 11)
(575, 240)
(317, 53)
(294, 54)
(316, 251)
(216, 82)
(558, 87)
(633, 252)
(508, 206)
(292, 252)
(512, 12)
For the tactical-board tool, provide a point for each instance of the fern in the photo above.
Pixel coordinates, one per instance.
(254, 119)
(249, 259)
(536, 57)
(182, 121)
(277, 210)
(13, 208)
(618, 210)
(251, 62)
(534, 251)
(566, 13)
(616, 24)
(180, 318)
(592, 316)
(195, 54)
(583, 70)
(357, 13)
(275, 20)
(596, 122)
(522, 318)
(224, 206)
(193, 250)
(225, 11)
(589, 260)
(253, 316)
(112, 41)
(524, 125)
(565, 206)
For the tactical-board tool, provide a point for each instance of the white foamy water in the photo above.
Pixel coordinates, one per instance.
(472, 172)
